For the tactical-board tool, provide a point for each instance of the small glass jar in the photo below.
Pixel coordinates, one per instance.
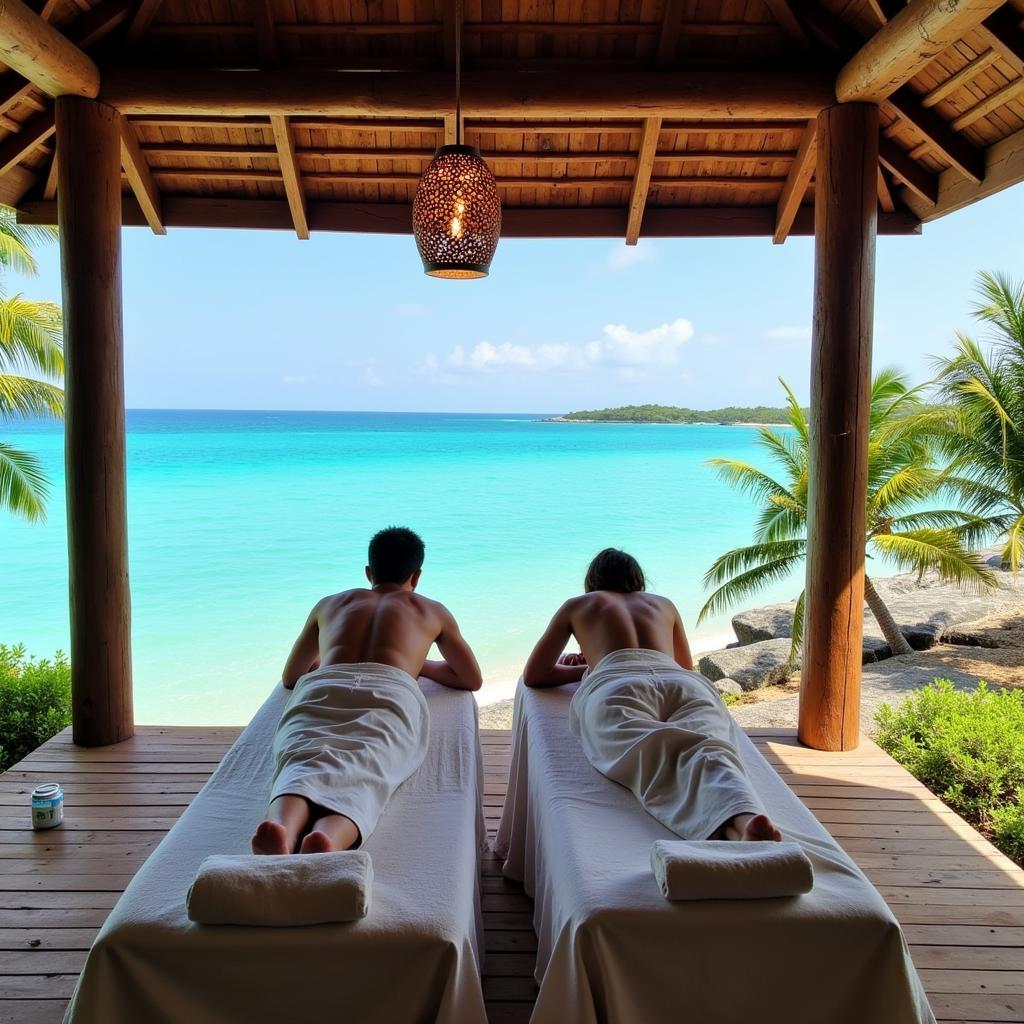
(47, 806)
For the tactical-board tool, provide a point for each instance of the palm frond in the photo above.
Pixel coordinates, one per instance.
(742, 572)
(926, 548)
(1002, 305)
(747, 479)
(17, 241)
(23, 485)
(798, 628)
(31, 336)
(797, 419)
(25, 398)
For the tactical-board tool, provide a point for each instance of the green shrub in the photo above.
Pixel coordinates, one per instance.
(35, 701)
(968, 749)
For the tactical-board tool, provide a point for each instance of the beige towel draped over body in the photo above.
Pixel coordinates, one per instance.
(664, 733)
(349, 736)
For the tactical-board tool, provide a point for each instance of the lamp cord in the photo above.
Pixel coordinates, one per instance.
(458, 72)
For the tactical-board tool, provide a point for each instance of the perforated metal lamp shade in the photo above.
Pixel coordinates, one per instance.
(456, 214)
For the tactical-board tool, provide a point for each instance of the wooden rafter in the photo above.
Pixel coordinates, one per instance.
(782, 11)
(677, 94)
(668, 37)
(38, 52)
(885, 200)
(33, 134)
(1004, 162)
(907, 44)
(290, 174)
(796, 184)
(1008, 92)
(144, 15)
(50, 185)
(961, 78)
(911, 173)
(137, 171)
(266, 33)
(642, 178)
(1005, 35)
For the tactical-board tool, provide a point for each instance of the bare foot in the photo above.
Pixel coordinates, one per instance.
(270, 837)
(316, 842)
(749, 828)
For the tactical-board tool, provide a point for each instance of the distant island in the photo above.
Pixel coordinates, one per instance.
(732, 414)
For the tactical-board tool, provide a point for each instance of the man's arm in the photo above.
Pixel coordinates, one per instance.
(680, 645)
(305, 651)
(459, 670)
(543, 667)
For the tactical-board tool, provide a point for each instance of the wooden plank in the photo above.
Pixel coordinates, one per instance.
(668, 37)
(290, 173)
(680, 94)
(141, 20)
(956, 81)
(33, 134)
(796, 184)
(783, 13)
(885, 200)
(906, 45)
(1003, 33)
(965, 157)
(991, 103)
(642, 178)
(266, 33)
(139, 178)
(50, 186)
(918, 181)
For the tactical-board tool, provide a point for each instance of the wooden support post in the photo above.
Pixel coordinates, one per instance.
(89, 211)
(642, 178)
(845, 222)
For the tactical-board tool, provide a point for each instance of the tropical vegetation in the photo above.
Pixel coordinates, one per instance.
(968, 749)
(676, 414)
(981, 430)
(35, 702)
(901, 527)
(31, 363)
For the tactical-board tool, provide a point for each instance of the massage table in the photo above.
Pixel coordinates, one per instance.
(415, 957)
(612, 950)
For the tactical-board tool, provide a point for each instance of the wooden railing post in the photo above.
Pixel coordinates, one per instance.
(89, 213)
(845, 216)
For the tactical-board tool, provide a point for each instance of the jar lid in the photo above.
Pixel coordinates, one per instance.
(49, 789)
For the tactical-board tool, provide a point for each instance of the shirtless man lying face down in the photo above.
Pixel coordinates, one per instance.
(356, 725)
(643, 716)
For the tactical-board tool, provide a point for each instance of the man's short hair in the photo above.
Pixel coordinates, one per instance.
(615, 570)
(395, 554)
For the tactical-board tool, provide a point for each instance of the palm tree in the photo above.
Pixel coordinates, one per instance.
(901, 476)
(30, 342)
(982, 430)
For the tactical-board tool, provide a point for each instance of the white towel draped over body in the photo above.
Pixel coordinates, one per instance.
(664, 733)
(349, 736)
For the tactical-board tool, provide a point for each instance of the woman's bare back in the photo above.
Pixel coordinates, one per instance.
(605, 621)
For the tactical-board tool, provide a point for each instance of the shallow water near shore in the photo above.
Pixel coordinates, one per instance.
(239, 521)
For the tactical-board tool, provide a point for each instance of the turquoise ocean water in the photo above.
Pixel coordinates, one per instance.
(239, 521)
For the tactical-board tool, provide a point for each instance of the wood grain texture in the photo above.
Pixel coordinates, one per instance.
(642, 178)
(137, 171)
(290, 174)
(846, 211)
(796, 184)
(89, 211)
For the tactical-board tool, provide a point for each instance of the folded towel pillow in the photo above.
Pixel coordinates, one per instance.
(294, 889)
(719, 870)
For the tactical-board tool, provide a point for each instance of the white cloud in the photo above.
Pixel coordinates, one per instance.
(789, 333)
(622, 256)
(619, 346)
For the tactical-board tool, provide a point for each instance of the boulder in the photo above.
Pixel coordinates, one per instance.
(771, 622)
(727, 686)
(751, 666)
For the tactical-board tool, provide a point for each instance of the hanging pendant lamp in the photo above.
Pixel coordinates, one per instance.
(456, 214)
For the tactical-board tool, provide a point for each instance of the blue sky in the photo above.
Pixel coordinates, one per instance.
(260, 320)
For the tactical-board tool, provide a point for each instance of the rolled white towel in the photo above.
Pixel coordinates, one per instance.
(293, 889)
(719, 870)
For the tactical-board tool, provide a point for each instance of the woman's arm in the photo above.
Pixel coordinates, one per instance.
(542, 667)
(460, 669)
(305, 652)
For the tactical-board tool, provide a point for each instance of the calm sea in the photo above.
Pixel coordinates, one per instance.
(239, 521)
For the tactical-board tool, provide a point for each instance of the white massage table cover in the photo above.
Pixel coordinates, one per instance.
(415, 958)
(611, 949)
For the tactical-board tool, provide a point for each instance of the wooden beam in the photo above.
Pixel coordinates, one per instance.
(906, 45)
(710, 94)
(846, 212)
(39, 53)
(782, 12)
(89, 203)
(961, 78)
(290, 173)
(796, 184)
(139, 178)
(1008, 92)
(911, 173)
(1003, 32)
(1004, 166)
(50, 185)
(642, 178)
(668, 37)
(33, 134)
(144, 14)
(517, 222)
(965, 157)
(885, 200)
(266, 33)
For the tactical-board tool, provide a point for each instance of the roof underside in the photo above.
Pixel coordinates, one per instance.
(570, 174)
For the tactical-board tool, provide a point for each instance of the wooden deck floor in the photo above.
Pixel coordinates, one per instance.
(961, 903)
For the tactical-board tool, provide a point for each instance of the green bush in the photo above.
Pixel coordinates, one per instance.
(968, 749)
(35, 701)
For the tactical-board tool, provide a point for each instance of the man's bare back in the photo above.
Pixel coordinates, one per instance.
(389, 624)
(602, 622)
